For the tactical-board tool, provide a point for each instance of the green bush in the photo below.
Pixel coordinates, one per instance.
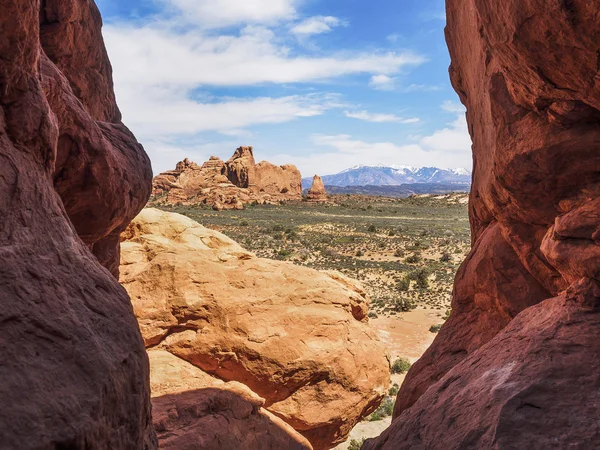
(359, 254)
(386, 409)
(394, 390)
(421, 276)
(399, 253)
(392, 233)
(400, 366)
(244, 223)
(446, 257)
(372, 229)
(403, 285)
(413, 259)
(283, 253)
(373, 315)
(435, 328)
(356, 445)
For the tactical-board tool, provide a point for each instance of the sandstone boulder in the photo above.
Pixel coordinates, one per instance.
(317, 192)
(515, 364)
(74, 370)
(297, 337)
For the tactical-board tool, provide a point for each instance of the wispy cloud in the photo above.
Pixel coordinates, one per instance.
(453, 107)
(380, 118)
(316, 25)
(383, 82)
(225, 13)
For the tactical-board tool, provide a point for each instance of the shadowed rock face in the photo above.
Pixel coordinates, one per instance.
(72, 176)
(513, 367)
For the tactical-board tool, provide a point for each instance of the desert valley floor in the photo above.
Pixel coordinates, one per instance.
(405, 252)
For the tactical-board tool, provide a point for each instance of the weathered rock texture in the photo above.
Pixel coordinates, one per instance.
(230, 184)
(516, 364)
(193, 410)
(297, 337)
(74, 371)
(317, 192)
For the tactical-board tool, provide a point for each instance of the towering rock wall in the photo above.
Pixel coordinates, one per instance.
(74, 371)
(516, 365)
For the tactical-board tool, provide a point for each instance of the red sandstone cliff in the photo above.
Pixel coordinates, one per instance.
(516, 365)
(230, 184)
(74, 371)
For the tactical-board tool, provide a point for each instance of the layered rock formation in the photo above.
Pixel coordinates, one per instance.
(230, 184)
(296, 337)
(317, 192)
(74, 370)
(516, 364)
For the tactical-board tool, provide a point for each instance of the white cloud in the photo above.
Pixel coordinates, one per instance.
(166, 113)
(454, 138)
(316, 25)
(453, 107)
(422, 87)
(383, 82)
(162, 55)
(224, 13)
(379, 118)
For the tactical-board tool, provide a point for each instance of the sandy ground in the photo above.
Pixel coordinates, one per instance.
(406, 335)
(365, 430)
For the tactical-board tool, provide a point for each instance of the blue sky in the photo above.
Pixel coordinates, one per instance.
(323, 84)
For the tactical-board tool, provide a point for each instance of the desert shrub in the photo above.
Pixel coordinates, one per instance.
(399, 253)
(356, 445)
(372, 229)
(403, 304)
(413, 259)
(283, 253)
(435, 328)
(401, 365)
(359, 253)
(244, 223)
(392, 233)
(421, 276)
(277, 228)
(445, 257)
(373, 315)
(394, 390)
(403, 284)
(386, 409)
(447, 315)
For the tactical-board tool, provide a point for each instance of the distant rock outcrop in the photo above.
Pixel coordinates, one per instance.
(317, 192)
(296, 337)
(516, 365)
(230, 184)
(74, 372)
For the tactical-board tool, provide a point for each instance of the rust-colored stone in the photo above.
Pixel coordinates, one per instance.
(513, 367)
(74, 371)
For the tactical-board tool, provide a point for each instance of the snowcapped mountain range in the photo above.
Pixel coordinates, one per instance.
(395, 176)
